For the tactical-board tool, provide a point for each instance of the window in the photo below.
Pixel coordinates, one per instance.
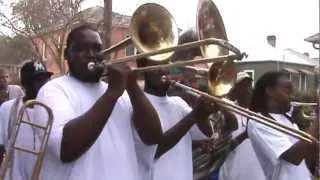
(250, 72)
(130, 50)
(303, 82)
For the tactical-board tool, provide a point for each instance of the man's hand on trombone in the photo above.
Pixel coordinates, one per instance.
(226, 122)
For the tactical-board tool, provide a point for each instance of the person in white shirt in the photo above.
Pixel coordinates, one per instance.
(32, 78)
(180, 124)
(8, 92)
(92, 132)
(281, 156)
(235, 167)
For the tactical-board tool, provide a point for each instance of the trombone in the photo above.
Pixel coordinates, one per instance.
(222, 74)
(7, 164)
(154, 32)
(295, 104)
(245, 112)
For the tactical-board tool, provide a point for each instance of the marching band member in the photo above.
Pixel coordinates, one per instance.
(173, 155)
(33, 76)
(209, 151)
(235, 167)
(8, 92)
(91, 137)
(281, 156)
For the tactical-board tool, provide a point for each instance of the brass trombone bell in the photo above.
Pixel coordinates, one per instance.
(152, 28)
(221, 76)
(210, 24)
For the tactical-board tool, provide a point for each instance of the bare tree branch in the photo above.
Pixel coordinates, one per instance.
(47, 20)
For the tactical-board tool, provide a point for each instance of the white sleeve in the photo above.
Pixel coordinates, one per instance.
(59, 103)
(5, 109)
(3, 127)
(145, 155)
(20, 92)
(185, 108)
(15, 91)
(195, 132)
(270, 142)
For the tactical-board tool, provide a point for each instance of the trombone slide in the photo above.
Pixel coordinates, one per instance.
(295, 104)
(237, 54)
(250, 114)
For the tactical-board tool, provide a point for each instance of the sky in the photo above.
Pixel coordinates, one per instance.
(247, 22)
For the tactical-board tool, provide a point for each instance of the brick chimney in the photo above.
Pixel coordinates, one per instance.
(271, 39)
(306, 54)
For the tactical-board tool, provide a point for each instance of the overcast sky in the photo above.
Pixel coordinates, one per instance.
(247, 22)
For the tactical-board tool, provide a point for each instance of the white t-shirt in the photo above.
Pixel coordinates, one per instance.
(269, 144)
(235, 167)
(23, 162)
(113, 154)
(15, 91)
(177, 162)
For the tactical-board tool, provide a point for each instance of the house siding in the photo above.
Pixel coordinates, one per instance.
(261, 67)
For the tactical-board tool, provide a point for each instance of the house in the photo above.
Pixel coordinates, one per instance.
(315, 40)
(52, 55)
(267, 57)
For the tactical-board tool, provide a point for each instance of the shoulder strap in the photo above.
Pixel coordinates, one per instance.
(13, 116)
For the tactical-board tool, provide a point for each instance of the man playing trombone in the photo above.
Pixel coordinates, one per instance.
(281, 156)
(181, 125)
(91, 136)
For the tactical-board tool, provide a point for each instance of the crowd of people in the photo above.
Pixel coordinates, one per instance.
(117, 130)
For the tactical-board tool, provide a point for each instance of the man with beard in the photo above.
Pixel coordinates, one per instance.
(91, 136)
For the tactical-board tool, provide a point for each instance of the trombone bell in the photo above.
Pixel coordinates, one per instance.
(152, 28)
(221, 78)
(210, 24)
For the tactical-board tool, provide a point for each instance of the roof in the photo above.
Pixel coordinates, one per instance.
(316, 62)
(95, 15)
(290, 70)
(314, 38)
(265, 52)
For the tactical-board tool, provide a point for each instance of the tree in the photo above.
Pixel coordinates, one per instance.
(15, 49)
(43, 21)
(107, 22)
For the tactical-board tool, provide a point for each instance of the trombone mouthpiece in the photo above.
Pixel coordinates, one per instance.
(91, 66)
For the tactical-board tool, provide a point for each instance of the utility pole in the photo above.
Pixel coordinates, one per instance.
(107, 23)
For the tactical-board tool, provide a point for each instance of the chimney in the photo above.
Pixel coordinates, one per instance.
(306, 54)
(271, 39)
